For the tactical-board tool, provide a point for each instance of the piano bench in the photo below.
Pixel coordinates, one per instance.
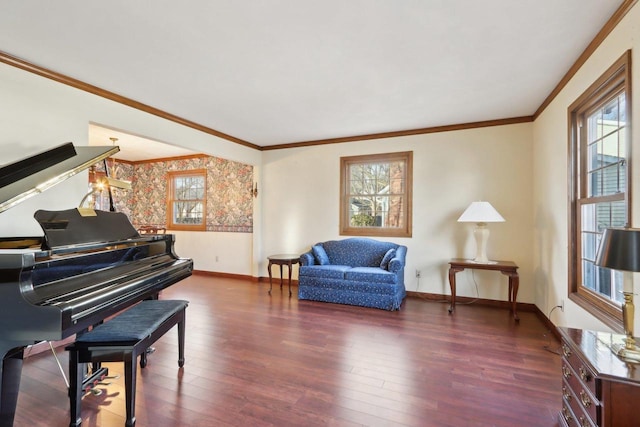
(123, 339)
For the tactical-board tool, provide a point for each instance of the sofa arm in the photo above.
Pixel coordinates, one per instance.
(397, 263)
(307, 259)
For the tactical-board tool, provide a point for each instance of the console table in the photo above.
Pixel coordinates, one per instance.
(508, 268)
(282, 259)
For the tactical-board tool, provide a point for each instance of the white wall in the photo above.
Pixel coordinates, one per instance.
(550, 199)
(230, 253)
(37, 114)
(300, 202)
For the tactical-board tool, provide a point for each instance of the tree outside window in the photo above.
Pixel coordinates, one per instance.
(376, 195)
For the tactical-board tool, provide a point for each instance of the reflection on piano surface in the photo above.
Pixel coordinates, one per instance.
(151, 229)
(84, 269)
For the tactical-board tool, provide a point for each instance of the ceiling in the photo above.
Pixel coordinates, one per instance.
(288, 71)
(134, 148)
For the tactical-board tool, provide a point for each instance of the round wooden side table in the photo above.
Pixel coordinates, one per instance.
(282, 259)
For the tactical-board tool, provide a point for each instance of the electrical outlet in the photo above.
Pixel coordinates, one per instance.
(418, 274)
(217, 258)
(561, 305)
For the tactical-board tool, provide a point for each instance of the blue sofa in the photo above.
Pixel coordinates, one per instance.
(355, 271)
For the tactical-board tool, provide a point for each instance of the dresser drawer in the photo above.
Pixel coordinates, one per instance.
(582, 396)
(580, 368)
(580, 416)
(566, 417)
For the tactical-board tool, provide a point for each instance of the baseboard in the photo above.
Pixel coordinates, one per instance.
(226, 275)
(480, 301)
(548, 324)
(276, 280)
(493, 303)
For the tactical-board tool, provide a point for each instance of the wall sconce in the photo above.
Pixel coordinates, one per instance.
(254, 191)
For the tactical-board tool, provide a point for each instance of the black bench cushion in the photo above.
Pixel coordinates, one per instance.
(134, 324)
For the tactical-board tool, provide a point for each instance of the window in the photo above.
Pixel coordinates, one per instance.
(600, 180)
(375, 195)
(186, 201)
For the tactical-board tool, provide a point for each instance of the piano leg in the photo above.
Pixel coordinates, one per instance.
(76, 371)
(11, 369)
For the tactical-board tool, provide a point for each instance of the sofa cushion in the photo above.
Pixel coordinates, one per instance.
(370, 275)
(384, 264)
(357, 251)
(320, 254)
(325, 271)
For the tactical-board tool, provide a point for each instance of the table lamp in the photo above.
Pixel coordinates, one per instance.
(620, 250)
(481, 213)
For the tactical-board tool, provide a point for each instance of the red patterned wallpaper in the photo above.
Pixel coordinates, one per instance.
(229, 201)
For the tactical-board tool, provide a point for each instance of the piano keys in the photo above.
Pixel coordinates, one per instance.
(81, 271)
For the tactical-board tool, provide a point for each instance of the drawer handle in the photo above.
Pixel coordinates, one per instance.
(566, 351)
(584, 374)
(566, 394)
(566, 372)
(566, 414)
(585, 399)
(584, 422)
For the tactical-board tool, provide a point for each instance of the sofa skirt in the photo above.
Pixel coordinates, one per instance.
(387, 297)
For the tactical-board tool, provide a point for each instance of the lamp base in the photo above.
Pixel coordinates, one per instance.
(626, 353)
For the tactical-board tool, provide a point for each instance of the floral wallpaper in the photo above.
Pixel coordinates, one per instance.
(229, 201)
(122, 198)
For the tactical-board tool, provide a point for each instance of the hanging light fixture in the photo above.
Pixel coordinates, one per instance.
(112, 172)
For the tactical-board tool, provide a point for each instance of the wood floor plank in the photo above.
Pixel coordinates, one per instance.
(254, 359)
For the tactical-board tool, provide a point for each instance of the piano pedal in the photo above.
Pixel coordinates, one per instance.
(93, 390)
(150, 350)
(94, 379)
(113, 377)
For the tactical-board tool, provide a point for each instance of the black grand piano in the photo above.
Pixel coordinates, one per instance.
(87, 266)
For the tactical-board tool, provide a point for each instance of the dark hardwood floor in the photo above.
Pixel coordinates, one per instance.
(259, 360)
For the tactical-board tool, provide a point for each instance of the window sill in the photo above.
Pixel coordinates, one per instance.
(375, 232)
(614, 322)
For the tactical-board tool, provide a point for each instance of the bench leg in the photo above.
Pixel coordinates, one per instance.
(181, 341)
(76, 374)
(130, 373)
(143, 359)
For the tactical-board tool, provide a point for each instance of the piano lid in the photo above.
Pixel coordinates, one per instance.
(35, 174)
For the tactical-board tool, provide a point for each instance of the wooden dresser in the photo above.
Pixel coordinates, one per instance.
(598, 389)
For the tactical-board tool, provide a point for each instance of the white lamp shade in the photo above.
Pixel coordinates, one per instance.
(480, 212)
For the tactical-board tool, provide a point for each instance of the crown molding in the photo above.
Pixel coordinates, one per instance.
(78, 84)
(420, 131)
(615, 19)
